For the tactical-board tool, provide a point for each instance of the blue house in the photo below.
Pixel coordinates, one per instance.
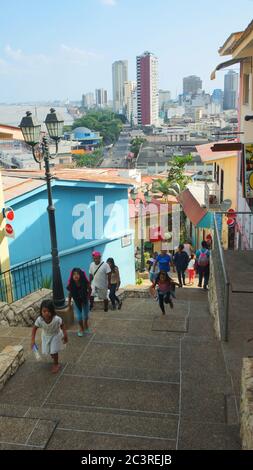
(91, 213)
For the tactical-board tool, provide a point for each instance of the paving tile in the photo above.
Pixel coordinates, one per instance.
(127, 373)
(170, 324)
(126, 327)
(13, 410)
(199, 406)
(42, 433)
(14, 429)
(87, 441)
(206, 357)
(30, 385)
(117, 394)
(131, 356)
(204, 436)
(157, 339)
(133, 424)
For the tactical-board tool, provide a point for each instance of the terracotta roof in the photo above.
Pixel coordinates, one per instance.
(18, 182)
(14, 187)
(207, 155)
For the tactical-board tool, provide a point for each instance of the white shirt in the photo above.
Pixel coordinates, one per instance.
(100, 279)
(49, 329)
(191, 264)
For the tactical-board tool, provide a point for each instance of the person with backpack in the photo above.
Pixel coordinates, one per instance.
(100, 278)
(202, 260)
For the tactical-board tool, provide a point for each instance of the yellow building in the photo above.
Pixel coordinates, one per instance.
(224, 187)
(239, 46)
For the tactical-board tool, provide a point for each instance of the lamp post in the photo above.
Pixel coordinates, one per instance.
(31, 131)
(147, 199)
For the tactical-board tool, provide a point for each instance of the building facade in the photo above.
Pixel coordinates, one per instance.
(119, 77)
(101, 98)
(88, 100)
(191, 85)
(91, 213)
(230, 90)
(239, 45)
(147, 89)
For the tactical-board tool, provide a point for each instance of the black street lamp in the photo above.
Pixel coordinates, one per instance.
(31, 131)
(148, 198)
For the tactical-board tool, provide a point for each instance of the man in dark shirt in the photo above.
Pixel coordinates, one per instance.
(181, 260)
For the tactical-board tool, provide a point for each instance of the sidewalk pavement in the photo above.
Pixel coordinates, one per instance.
(139, 381)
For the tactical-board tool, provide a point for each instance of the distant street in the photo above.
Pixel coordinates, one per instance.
(115, 157)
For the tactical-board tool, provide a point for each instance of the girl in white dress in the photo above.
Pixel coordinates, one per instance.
(54, 334)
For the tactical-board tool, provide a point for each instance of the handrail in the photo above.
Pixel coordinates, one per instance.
(20, 281)
(18, 266)
(223, 316)
(220, 250)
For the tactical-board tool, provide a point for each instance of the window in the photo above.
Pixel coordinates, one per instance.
(246, 88)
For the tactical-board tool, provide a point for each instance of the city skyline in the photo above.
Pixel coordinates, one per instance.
(65, 60)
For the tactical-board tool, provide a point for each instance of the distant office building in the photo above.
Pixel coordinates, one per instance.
(217, 97)
(164, 99)
(88, 100)
(119, 77)
(101, 98)
(129, 89)
(147, 89)
(131, 102)
(230, 90)
(191, 85)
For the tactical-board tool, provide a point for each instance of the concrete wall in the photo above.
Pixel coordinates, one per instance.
(247, 404)
(213, 299)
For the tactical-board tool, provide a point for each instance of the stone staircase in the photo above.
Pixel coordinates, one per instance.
(139, 381)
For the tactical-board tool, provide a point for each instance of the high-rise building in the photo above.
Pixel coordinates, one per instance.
(191, 85)
(217, 97)
(101, 98)
(119, 77)
(147, 89)
(230, 90)
(131, 102)
(88, 100)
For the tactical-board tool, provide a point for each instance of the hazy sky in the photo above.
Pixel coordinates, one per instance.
(59, 49)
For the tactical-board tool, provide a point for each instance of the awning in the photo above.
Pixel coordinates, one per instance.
(223, 65)
(191, 207)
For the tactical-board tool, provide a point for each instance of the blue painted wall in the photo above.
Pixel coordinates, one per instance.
(78, 204)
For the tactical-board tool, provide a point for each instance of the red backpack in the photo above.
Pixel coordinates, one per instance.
(203, 259)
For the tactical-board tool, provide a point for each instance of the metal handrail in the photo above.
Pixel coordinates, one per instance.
(20, 281)
(223, 321)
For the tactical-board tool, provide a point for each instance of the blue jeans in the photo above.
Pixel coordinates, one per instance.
(83, 314)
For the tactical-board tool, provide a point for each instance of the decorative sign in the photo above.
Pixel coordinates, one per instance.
(126, 241)
(248, 170)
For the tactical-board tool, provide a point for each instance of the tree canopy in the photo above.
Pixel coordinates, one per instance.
(104, 121)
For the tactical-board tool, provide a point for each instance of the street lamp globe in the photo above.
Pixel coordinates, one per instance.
(134, 194)
(30, 129)
(54, 123)
(148, 197)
